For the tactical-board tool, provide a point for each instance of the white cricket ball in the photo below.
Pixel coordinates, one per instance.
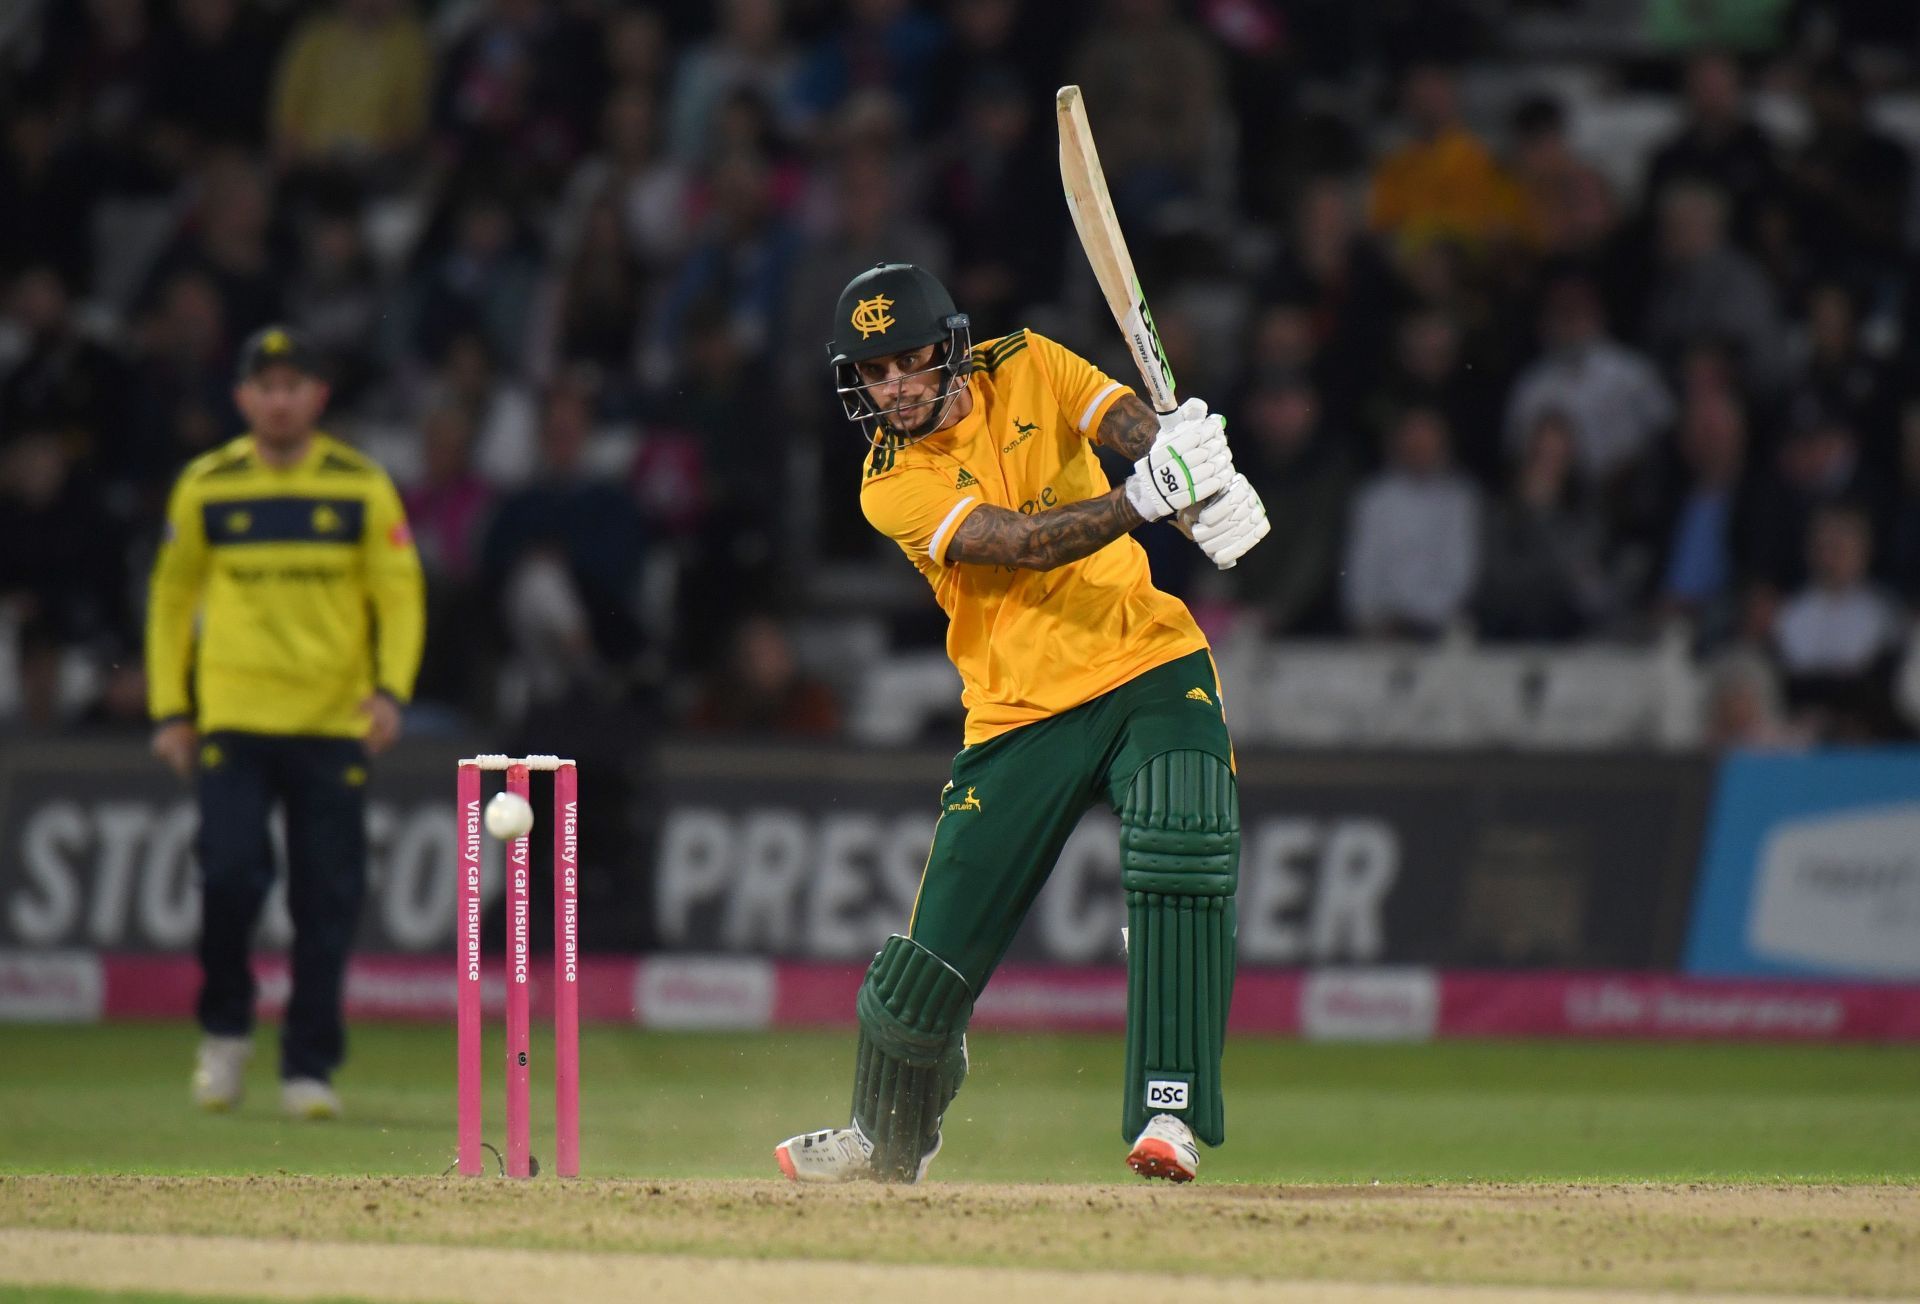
(509, 816)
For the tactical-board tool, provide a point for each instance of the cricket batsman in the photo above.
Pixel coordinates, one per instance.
(284, 631)
(1082, 683)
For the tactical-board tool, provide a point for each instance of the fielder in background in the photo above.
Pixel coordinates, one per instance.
(284, 630)
(1083, 683)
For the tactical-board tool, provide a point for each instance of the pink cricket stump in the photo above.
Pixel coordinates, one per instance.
(519, 978)
(466, 931)
(566, 971)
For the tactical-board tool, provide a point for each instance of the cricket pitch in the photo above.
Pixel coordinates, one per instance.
(411, 1239)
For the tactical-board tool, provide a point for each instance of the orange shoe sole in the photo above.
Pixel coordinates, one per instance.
(1153, 1157)
(785, 1160)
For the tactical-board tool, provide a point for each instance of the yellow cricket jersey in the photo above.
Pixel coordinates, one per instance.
(1028, 644)
(304, 585)
(346, 87)
(1449, 187)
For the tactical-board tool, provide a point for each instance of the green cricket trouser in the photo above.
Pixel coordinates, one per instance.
(1014, 800)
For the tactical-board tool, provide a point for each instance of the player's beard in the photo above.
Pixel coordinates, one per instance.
(935, 409)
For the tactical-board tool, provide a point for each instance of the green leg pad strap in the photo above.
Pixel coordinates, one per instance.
(912, 1055)
(1179, 865)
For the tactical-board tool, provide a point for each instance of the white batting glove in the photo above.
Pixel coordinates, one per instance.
(1230, 525)
(1189, 465)
(1194, 409)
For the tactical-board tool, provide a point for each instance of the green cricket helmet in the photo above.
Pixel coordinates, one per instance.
(895, 308)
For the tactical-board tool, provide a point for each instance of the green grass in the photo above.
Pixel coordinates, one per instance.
(112, 1099)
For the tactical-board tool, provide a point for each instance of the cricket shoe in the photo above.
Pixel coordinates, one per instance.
(836, 1154)
(1165, 1149)
(220, 1072)
(308, 1098)
(833, 1154)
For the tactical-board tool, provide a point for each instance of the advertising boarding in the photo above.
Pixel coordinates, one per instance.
(1812, 868)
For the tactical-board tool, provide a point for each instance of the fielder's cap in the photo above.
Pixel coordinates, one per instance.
(278, 346)
(890, 308)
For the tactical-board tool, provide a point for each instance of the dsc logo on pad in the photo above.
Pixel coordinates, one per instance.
(1166, 1095)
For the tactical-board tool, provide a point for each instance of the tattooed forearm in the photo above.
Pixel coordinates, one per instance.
(1129, 427)
(1046, 539)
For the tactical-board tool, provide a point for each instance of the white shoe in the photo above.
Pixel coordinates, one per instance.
(834, 1154)
(1166, 1148)
(308, 1098)
(837, 1154)
(220, 1072)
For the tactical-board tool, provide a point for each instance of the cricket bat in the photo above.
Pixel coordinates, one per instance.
(1106, 247)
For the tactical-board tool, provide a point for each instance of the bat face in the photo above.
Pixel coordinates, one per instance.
(1106, 248)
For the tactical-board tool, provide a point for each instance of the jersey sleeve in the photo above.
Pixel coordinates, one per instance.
(919, 509)
(173, 603)
(1084, 391)
(397, 592)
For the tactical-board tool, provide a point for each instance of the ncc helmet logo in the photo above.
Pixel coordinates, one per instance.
(870, 316)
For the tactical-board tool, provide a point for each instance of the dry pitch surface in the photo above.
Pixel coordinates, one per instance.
(426, 1239)
(1509, 1171)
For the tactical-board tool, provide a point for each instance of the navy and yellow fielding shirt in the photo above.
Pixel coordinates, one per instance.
(286, 595)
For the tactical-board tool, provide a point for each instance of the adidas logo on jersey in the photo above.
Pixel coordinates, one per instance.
(966, 480)
(1199, 695)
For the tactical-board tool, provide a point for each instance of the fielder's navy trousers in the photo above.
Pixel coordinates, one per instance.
(319, 784)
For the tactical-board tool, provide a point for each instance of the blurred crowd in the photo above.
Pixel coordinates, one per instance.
(572, 262)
